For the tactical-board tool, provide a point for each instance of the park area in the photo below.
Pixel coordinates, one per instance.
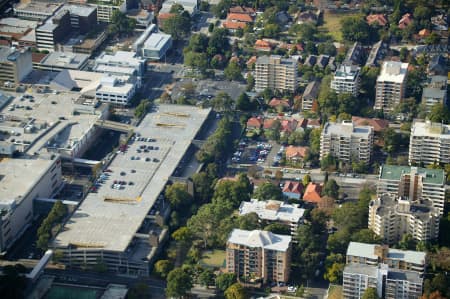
(213, 258)
(332, 23)
(335, 292)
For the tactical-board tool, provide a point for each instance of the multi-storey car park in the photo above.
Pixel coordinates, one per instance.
(116, 225)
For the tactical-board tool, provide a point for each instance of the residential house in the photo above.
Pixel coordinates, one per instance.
(254, 123)
(405, 21)
(440, 22)
(322, 61)
(434, 92)
(355, 55)
(313, 123)
(278, 103)
(296, 153)
(310, 60)
(236, 21)
(308, 17)
(262, 45)
(377, 52)
(313, 193)
(377, 19)
(437, 66)
(242, 10)
(288, 125)
(293, 189)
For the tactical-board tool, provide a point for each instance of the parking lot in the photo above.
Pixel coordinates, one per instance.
(205, 89)
(251, 152)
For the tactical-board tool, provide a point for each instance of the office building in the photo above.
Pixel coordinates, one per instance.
(374, 254)
(36, 10)
(391, 85)
(23, 181)
(429, 143)
(274, 211)
(105, 9)
(391, 218)
(58, 61)
(54, 30)
(115, 90)
(413, 183)
(276, 73)
(156, 46)
(15, 64)
(260, 255)
(82, 18)
(347, 142)
(395, 274)
(346, 79)
(123, 225)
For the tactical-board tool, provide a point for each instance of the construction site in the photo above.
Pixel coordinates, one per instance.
(120, 224)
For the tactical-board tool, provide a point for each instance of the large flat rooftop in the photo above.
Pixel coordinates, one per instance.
(348, 129)
(109, 218)
(18, 176)
(429, 129)
(430, 176)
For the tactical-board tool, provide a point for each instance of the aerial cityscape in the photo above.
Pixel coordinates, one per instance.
(270, 149)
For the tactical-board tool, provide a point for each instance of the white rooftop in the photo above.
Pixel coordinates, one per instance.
(368, 251)
(272, 210)
(157, 41)
(109, 218)
(393, 71)
(436, 130)
(347, 129)
(260, 239)
(65, 60)
(18, 177)
(120, 58)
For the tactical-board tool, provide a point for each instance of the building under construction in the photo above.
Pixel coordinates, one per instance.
(120, 224)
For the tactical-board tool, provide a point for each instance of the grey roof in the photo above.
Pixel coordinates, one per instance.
(312, 90)
(404, 275)
(433, 92)
(157, 41)
(438, 64)
(347, 129)
(268, 59)
(80, 10)
(363, 269)
(260, 239)
(368, 251)
(322, 61)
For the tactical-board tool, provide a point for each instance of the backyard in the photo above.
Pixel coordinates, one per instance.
(332, 23)
(213, 259)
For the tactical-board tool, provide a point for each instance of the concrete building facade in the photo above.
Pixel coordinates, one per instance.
(346, 79)
(347, 142)
(413, 183)
(391, 85)
(275, 72)
(259, 255)
(429, 143)
(15, 64)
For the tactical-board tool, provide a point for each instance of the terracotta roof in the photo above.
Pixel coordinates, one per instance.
(296, 151)
(293, 187)
(255, 122)
(234, 25)
(165, 15)
(242, 10)
(252, 60)
(377, 123)
(268, 123)
(377, 18)
(405, 21)
(424, 32)
(239, 17)
(262, 44)
(274, 102)
(312, 193)
(288, 125)
(313, 122)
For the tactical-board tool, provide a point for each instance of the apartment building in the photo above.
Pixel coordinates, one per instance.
(374, 254)
(434, 92)
(53, 31)
(346, 79)
(358, 277)
(414, 183)
(276, 73)
(391, 85)
(23, 181)
(14, 64)
(391, 218)
(429, 143)
(347, 142)
(105, 9)
(310, 95)
(395, 274)
(259, 255)
(274, 211)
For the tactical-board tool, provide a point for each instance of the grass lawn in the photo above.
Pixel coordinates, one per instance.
(335, 292)
(332, 23)
(213, 259)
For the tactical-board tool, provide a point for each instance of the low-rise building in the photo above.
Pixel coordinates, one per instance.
(191, 6)
(414, 183)
(296, 153)
(313, 193)
(391, 218)
(293, 189)
(274, 211)
(57, 61)
(15, 64)
(434, 92)
(36, 10)
(115, 90)
(429, 143)
(156, 46)
(310, 95)
(22, 182)
(391, 85)
(346, 79)
(259, 255)
(347, 142)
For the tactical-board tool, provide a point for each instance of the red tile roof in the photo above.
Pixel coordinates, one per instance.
(288, 125)
(312, 193)
(254, 122)
(234, 25)
(263, 45)
(239, 17)
(405, 21)
(293, 187)
(279, 102)
(296, 151)
(377, 18)
(268, 123)
(377, 123)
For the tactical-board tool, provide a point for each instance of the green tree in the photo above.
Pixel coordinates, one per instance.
(334, 273)
(196, 60)
(182, 235)
(370, 293)
(250, 82)
(439, 113)
(243, 103)
(203, 186)
(235, 291)
(327, 48)
(222, 102)
(179, 282)
(178, 26)
(121, 24)
(331, 189)
(218, 42)
(233, 71)
(249, 221)
(306, 180)
(355, 29)
(177, 195)
(328, 162)
(142, 108)
(225, 280)
(391, 140)
(278, 228)
(163, 267)
(206, 277)
(268, 191)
